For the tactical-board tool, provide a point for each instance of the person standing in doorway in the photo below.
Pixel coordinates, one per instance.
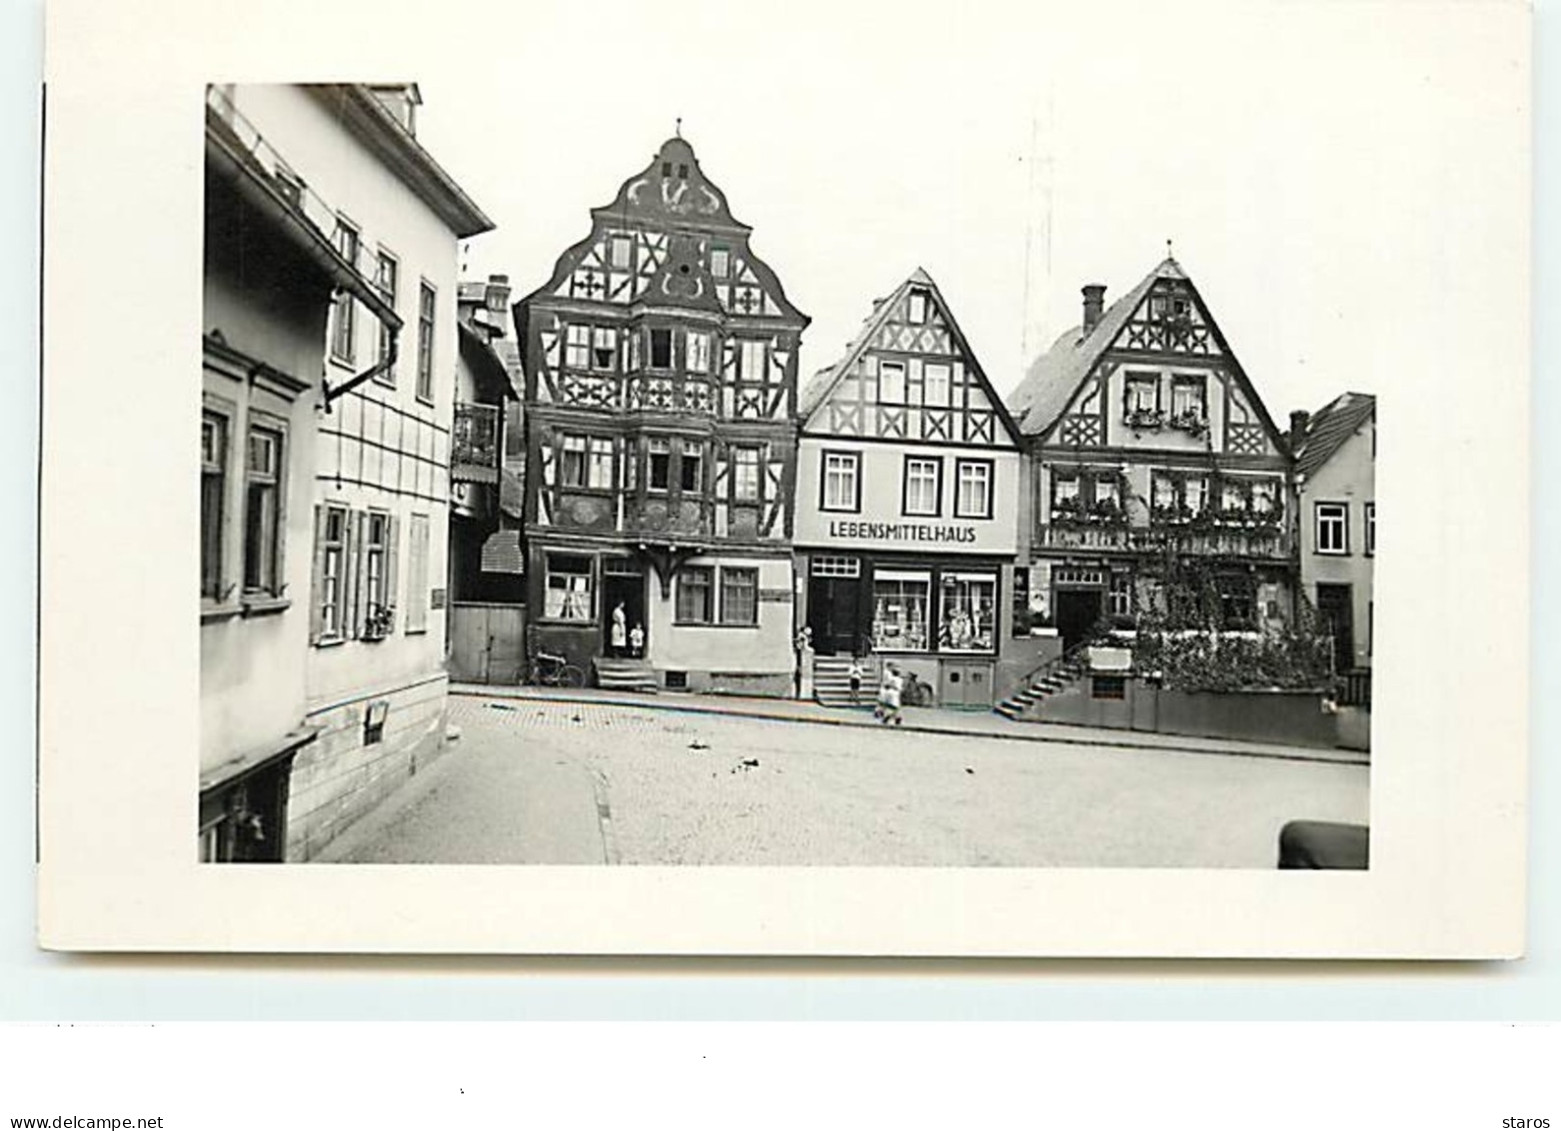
(620, 638)
(637, 640)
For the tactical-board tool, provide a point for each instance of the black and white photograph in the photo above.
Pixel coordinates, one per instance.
(876, 441)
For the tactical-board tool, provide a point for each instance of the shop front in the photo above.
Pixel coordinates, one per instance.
(936, 618)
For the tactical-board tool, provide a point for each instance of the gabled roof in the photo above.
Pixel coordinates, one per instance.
(1329, 427)
(821, 384)
(1053, 378)
(1057, 375)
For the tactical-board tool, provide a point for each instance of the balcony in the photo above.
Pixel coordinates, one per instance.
(476, 443)
(1265, 542)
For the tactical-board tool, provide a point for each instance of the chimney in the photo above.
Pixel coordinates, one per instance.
(1299, 419)
(1094, 303)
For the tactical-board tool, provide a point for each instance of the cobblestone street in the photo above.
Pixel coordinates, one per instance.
(580, 783)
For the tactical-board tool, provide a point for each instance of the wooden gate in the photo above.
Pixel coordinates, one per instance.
(487, 642)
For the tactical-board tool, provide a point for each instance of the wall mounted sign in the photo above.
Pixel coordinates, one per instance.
(901, 531)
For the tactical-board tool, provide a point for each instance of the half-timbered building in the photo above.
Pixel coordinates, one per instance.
(908, 494)
(1157, 473)
(660, 368)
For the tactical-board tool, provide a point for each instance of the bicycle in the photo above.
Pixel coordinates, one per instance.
(549, 670)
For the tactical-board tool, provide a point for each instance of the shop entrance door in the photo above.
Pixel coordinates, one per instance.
(834, 615)
(1336, 608)
(624, 591)
(1077, 612)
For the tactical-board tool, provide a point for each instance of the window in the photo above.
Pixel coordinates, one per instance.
(1371, 529)
(891, 382)
(923, 486)
(1238, 601)
(969, 612)
(214, 485)
(568, 588)
(660, 348)
(694, 592)
(1233, 496)
(720, 262)
(690, 464)
(1332, 529)
(1143, 393)
(1263, 496)
(622, 252)
(379, 592)
(935, 390)
(973, 488)
(1119, 600)
(331, 566)
(745, 475)
(262, 511)
(631, 351)
(577, 347)
(1065, 489)
(753, 359)
(604, 348)
(900, 602)
(1162, 492)
(1108, 490)
(917, 308)
(839, 482)
(586, 461)
(1187, 399)
(829, 565)
(425, 342)
(1195, 493)
(417, 575)
(698, 351)
(344, 325)
(386, 281)
(1108, 687)
(739, 596)
(660, 476)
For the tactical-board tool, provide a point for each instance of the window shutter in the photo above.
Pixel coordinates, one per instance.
(392, 555)
(317, 585)
(356, 565)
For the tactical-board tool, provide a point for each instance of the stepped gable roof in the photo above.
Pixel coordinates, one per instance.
(1329, 427)
(822, 383)
(1053, 378)
(672, 189)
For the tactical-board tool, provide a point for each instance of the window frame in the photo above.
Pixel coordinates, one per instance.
(691, 453)
(737, 464)
(221, 471)
(704, 352)
(261, 597)
(549, 572)
(1370, 528)
(337, 604)
(726, 573)
(680, 616)
(917, 306)
(936, 463)
(952, 578)
(901, 368)
(855, 459)
(651, 333)
(427, 323)
(344, 317)
(615, 240)
(746, 348)
(960, 464)
(386, 258)
(652, 450)
(572, 359)
(1343, 519)
(903, 578)
(598, 332)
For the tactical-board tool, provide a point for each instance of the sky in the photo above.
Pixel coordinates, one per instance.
(1302, 161)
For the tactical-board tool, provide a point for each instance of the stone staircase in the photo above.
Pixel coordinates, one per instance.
(1026, 703)
(832, 684)
(624, 675)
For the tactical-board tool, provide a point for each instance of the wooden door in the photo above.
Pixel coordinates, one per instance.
(1077, 612)
(468, 642)
(1335, 606)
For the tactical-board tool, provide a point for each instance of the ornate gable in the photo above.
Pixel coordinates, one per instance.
(910, 376)
(1170, 319)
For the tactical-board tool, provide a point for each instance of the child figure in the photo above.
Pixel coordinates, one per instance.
(854, 674)
(637, 641)
(889, 696)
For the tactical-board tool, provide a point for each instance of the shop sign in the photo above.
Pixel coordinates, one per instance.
(779, 596)
(901, 532)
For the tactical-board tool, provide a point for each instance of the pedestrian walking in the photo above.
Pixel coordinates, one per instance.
(854, 674)
(889, 696)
